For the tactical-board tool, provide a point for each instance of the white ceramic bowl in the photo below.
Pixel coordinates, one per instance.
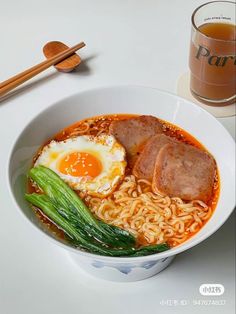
(126, 99)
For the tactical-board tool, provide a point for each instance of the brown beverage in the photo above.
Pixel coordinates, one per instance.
(213, 62)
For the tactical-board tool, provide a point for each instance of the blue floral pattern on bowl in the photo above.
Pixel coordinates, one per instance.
(124, 268)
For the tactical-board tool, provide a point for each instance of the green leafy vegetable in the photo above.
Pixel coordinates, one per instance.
(68, 202)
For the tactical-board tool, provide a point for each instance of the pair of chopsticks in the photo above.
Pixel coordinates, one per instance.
(24, 76)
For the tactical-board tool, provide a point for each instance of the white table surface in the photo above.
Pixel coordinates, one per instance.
(128, 42)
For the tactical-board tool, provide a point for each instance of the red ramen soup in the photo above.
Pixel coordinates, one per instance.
(164, 188)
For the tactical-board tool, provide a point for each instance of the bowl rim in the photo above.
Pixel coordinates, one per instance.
(191, 242)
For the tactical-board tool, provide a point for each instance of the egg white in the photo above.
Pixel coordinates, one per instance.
(104, 147)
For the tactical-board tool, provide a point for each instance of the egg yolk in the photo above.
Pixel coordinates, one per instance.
(80, 164)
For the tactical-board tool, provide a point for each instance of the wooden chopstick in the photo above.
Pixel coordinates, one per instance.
(24, 76)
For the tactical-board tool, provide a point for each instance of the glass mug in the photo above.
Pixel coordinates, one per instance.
(212, 58)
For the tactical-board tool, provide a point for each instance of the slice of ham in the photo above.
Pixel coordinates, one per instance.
(145, 163)
(184, 171)
(133, 133)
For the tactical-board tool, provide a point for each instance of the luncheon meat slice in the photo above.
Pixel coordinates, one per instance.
(145, 163)
(184, 171)
(133, 133)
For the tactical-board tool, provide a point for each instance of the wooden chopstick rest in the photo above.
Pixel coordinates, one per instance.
(52, 48)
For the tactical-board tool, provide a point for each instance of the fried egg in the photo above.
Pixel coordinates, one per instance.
(92, 164)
